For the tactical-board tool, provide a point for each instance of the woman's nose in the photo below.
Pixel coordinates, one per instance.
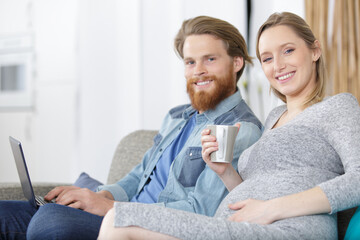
(279, 64)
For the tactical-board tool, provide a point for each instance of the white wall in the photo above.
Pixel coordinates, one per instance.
(103, 69)
(98, 98)
(46, 129)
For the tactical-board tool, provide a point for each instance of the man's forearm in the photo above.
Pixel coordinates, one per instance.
(106, 194)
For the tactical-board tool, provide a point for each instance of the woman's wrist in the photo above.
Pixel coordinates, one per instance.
(277, 209)
(231, 178)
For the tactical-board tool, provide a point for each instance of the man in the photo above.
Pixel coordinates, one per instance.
(172, 173)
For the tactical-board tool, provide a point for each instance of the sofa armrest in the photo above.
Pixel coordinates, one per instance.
(13, 191)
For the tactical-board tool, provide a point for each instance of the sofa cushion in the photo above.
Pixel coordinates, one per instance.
(85, 181)
(129, 153)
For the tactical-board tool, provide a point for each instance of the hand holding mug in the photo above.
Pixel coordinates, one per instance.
(217, 146)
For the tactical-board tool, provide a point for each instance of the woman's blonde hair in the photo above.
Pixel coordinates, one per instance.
(301, 29)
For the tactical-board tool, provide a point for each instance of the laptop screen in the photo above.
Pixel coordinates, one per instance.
(22, 170)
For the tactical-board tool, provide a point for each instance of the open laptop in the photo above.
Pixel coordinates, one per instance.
(26, 185)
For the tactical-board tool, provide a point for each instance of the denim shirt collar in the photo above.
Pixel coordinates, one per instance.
(223, 107)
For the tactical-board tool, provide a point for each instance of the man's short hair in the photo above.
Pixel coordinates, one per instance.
(234, 41)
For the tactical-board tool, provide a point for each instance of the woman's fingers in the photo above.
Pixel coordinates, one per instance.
(207, 138)
(205, 132)
(238, 125)
(237, 205)
(208, 143)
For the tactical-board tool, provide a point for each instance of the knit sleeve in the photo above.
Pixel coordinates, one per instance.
(342, 130)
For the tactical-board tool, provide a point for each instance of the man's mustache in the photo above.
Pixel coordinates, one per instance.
(201, 78)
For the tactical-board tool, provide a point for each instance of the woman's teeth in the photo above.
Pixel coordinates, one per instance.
(286, 76)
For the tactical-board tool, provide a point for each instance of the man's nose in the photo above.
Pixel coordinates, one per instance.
(200, 69)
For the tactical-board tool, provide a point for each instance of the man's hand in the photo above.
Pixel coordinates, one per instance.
(82, 198)
(58, 192)
(253, 211)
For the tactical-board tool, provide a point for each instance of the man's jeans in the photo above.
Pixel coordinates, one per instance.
(20, 220)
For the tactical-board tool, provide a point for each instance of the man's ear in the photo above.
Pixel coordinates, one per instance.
(238, 63)
(316, 50)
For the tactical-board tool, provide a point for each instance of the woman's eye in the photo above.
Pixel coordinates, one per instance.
(266, 60)
(289, 51)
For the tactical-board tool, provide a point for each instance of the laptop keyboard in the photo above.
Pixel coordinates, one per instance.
(40, 200)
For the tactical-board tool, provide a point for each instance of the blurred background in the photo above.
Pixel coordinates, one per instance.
(78, 75)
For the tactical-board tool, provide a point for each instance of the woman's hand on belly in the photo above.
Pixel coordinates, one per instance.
(311, 201)
(253, 211)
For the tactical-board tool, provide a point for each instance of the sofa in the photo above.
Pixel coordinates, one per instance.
(128, 153)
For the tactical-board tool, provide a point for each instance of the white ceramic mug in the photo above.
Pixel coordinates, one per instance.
(225, 136)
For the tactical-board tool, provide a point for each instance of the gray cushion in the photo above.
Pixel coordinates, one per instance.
(13, 191)
(129, 153)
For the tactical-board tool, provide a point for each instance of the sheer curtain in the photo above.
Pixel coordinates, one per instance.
(336, 24)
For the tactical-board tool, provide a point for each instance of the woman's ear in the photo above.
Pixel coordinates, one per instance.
(238, 63)
(316, 50)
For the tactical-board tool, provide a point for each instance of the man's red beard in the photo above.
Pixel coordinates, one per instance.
(205, 100)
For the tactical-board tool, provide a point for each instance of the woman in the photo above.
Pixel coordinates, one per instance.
(304, 169)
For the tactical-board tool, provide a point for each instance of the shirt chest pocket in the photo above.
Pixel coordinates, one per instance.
(192, 167)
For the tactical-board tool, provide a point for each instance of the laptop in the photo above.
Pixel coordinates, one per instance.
(23, 172)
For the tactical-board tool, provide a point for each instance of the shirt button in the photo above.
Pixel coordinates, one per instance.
(160, 149)
(145, 176)
(179, 128)
(190, 154)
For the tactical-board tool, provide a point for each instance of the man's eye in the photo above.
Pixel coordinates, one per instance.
(189, 62)
(211, 59)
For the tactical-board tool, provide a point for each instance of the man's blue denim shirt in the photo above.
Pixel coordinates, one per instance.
(192, 186)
